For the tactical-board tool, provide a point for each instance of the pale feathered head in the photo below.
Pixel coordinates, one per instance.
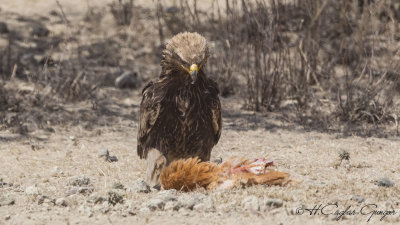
(186, 52)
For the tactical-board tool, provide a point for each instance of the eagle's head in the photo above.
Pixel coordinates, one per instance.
(186, 54)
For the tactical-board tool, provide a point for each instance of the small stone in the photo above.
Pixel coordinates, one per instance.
(140, 186)
(115, 197)
(155, 204)
(96, 198)
(189, 201)
(117, 185)
(127, 80)
(144, 210)
(218, 160)
(32, 190)
(167, 195)
(103, 153)
(44, 199)
(200, 207)
(172, 9)
(7, 200)
(273, 203)
(172, 205)
(112, 158)
(385, 182)
(3, 28)
(79, 181)
(39, 30)
(251, 203)
(56, 171)
(184, 212)
(358, 198)
(7, 217)
(61, 202)
(80, 190)
(84, 209)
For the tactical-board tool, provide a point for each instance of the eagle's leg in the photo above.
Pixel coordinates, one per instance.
(156, 161)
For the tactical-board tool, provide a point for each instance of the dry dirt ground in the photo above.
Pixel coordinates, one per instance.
(55, 175)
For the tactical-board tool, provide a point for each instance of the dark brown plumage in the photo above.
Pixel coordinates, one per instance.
(180, 112)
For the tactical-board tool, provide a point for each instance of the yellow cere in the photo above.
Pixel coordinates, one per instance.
(193, 67)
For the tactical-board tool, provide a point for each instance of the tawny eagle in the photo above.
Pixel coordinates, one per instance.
(180, 112)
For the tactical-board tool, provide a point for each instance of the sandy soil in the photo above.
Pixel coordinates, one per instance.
(36, 169)
(310, 157)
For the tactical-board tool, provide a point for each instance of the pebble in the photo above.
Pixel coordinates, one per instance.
(80, 190)
(7, 217)
(32, 190)
(117, 185)
(39, 30)
(273, 202)
(171, 205)
(103, 153)
(155, 204)
(358, 198)
(251, 203)
(56, 171)
(144, 210)
(167, 195)
(44, 199)
(189, 201)
(3, 28)
(107, 157)
(385, 182)
(61, 202)
(127, 80)
(140, 186)
(115, 197)
(112, 158)
(79, 181)
(96, 198)
(7, 200)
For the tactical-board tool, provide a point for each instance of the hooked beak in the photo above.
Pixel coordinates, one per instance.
(193, 72)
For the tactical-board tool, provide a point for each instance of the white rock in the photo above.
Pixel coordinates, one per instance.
(32, 190)
(56, 171)
(251, 203)
(140, 186)
(155, 204)
(61, 202)
(273, 202)
(172, 205)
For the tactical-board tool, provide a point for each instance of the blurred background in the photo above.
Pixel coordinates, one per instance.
(328, 65)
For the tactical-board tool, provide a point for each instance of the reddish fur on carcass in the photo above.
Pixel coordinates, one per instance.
(190, 174)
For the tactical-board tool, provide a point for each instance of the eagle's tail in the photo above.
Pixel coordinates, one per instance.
(189, 174)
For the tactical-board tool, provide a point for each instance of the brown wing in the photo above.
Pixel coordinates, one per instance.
(148, 115)
(215, 106)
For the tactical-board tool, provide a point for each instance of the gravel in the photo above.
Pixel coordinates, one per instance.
(251, 203)
(96, 198)
(385, 182)
(61, 202)
(7, 200)
(115, 197)
(358, 198)
(140, 186)
(273, 203)
(32, 190)
(127, 80)
(79, 181)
